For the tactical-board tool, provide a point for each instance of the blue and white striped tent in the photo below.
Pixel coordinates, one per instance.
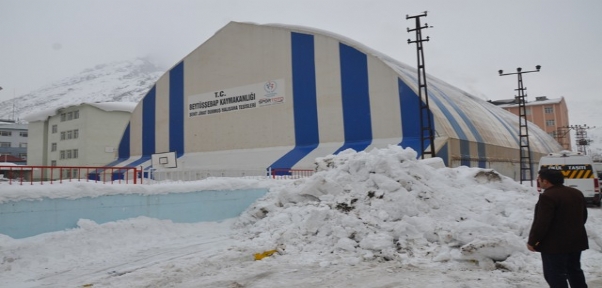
(258, 96)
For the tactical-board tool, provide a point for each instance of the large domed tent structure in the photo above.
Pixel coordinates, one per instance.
(254, 97)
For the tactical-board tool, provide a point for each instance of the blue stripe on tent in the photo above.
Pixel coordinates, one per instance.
(132, 164)
(357, 120)
(482, 155)
(546, 143)
(140, 161)
(481, 150)
(410, 111)
(514, 132)
(148, 133)
(504, 123)
(176, 109)
(115, 162)
(454, 123)
(305, 107)
(148, 122)
(124, 145)
(464, 152)
(464, 143)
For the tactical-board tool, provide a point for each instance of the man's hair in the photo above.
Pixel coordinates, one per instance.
(555, 177)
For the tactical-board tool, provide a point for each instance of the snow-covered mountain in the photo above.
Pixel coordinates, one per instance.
(123, 81)
(128, 81)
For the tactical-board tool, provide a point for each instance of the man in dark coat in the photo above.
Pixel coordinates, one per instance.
(558, 230)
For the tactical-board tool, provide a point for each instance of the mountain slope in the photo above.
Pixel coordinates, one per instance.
(124, 81)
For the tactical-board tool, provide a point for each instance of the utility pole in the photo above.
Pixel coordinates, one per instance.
(427, 133)
(526, 173)
(581, 137)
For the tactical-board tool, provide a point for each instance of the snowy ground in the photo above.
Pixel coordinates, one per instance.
(377, 219)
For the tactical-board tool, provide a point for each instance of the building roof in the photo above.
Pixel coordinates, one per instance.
(106, 106)
(456, 114)
(13, 126)
(505, 103)
(7, 158)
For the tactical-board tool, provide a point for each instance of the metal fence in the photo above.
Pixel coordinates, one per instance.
(23, 174)
(286, 173)
(192, 174)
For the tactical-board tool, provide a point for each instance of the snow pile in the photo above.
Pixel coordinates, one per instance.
(385, 205)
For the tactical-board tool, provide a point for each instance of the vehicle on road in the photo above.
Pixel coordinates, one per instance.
(579, 172)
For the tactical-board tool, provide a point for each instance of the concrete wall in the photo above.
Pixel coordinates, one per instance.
(36, 146)
(100, 133)
(20, 219)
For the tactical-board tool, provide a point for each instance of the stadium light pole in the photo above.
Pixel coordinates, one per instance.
(525, 148)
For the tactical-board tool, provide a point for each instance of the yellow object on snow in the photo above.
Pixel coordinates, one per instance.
(259, 256)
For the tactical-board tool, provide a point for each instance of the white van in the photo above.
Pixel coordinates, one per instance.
(598, 168)
(579, 172)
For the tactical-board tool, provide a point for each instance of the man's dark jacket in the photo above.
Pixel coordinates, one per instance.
(559, 222)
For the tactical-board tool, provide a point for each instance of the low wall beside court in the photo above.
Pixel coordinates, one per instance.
(25, 218)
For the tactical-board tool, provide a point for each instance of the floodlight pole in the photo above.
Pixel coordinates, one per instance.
(427, 134)
(525, 148)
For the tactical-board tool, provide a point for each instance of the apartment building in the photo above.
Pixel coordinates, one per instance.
(79, 135)
(13, 139)
(551, 115)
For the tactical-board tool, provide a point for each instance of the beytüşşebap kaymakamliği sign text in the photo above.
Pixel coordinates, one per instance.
(239, 98)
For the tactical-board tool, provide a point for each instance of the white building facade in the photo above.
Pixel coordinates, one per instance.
(79, 135)
(13, 139)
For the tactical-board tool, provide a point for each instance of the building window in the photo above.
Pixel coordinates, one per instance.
(23, 145)
(53, 163)
(75, 133)
(63, 135)
(69, 154)
(63, 117)
(70, 116)
(5, 144)
(69, 134)
(23, 156)
(76, 114)
(552, 134)
(62, 154)
(53, 147)
(528, 111)
(548, 110)
(6, 133)
(550, 123)
(54, 129)
(75, 153)
(23, 134)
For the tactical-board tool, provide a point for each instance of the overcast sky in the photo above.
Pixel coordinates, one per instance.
(45, 41)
